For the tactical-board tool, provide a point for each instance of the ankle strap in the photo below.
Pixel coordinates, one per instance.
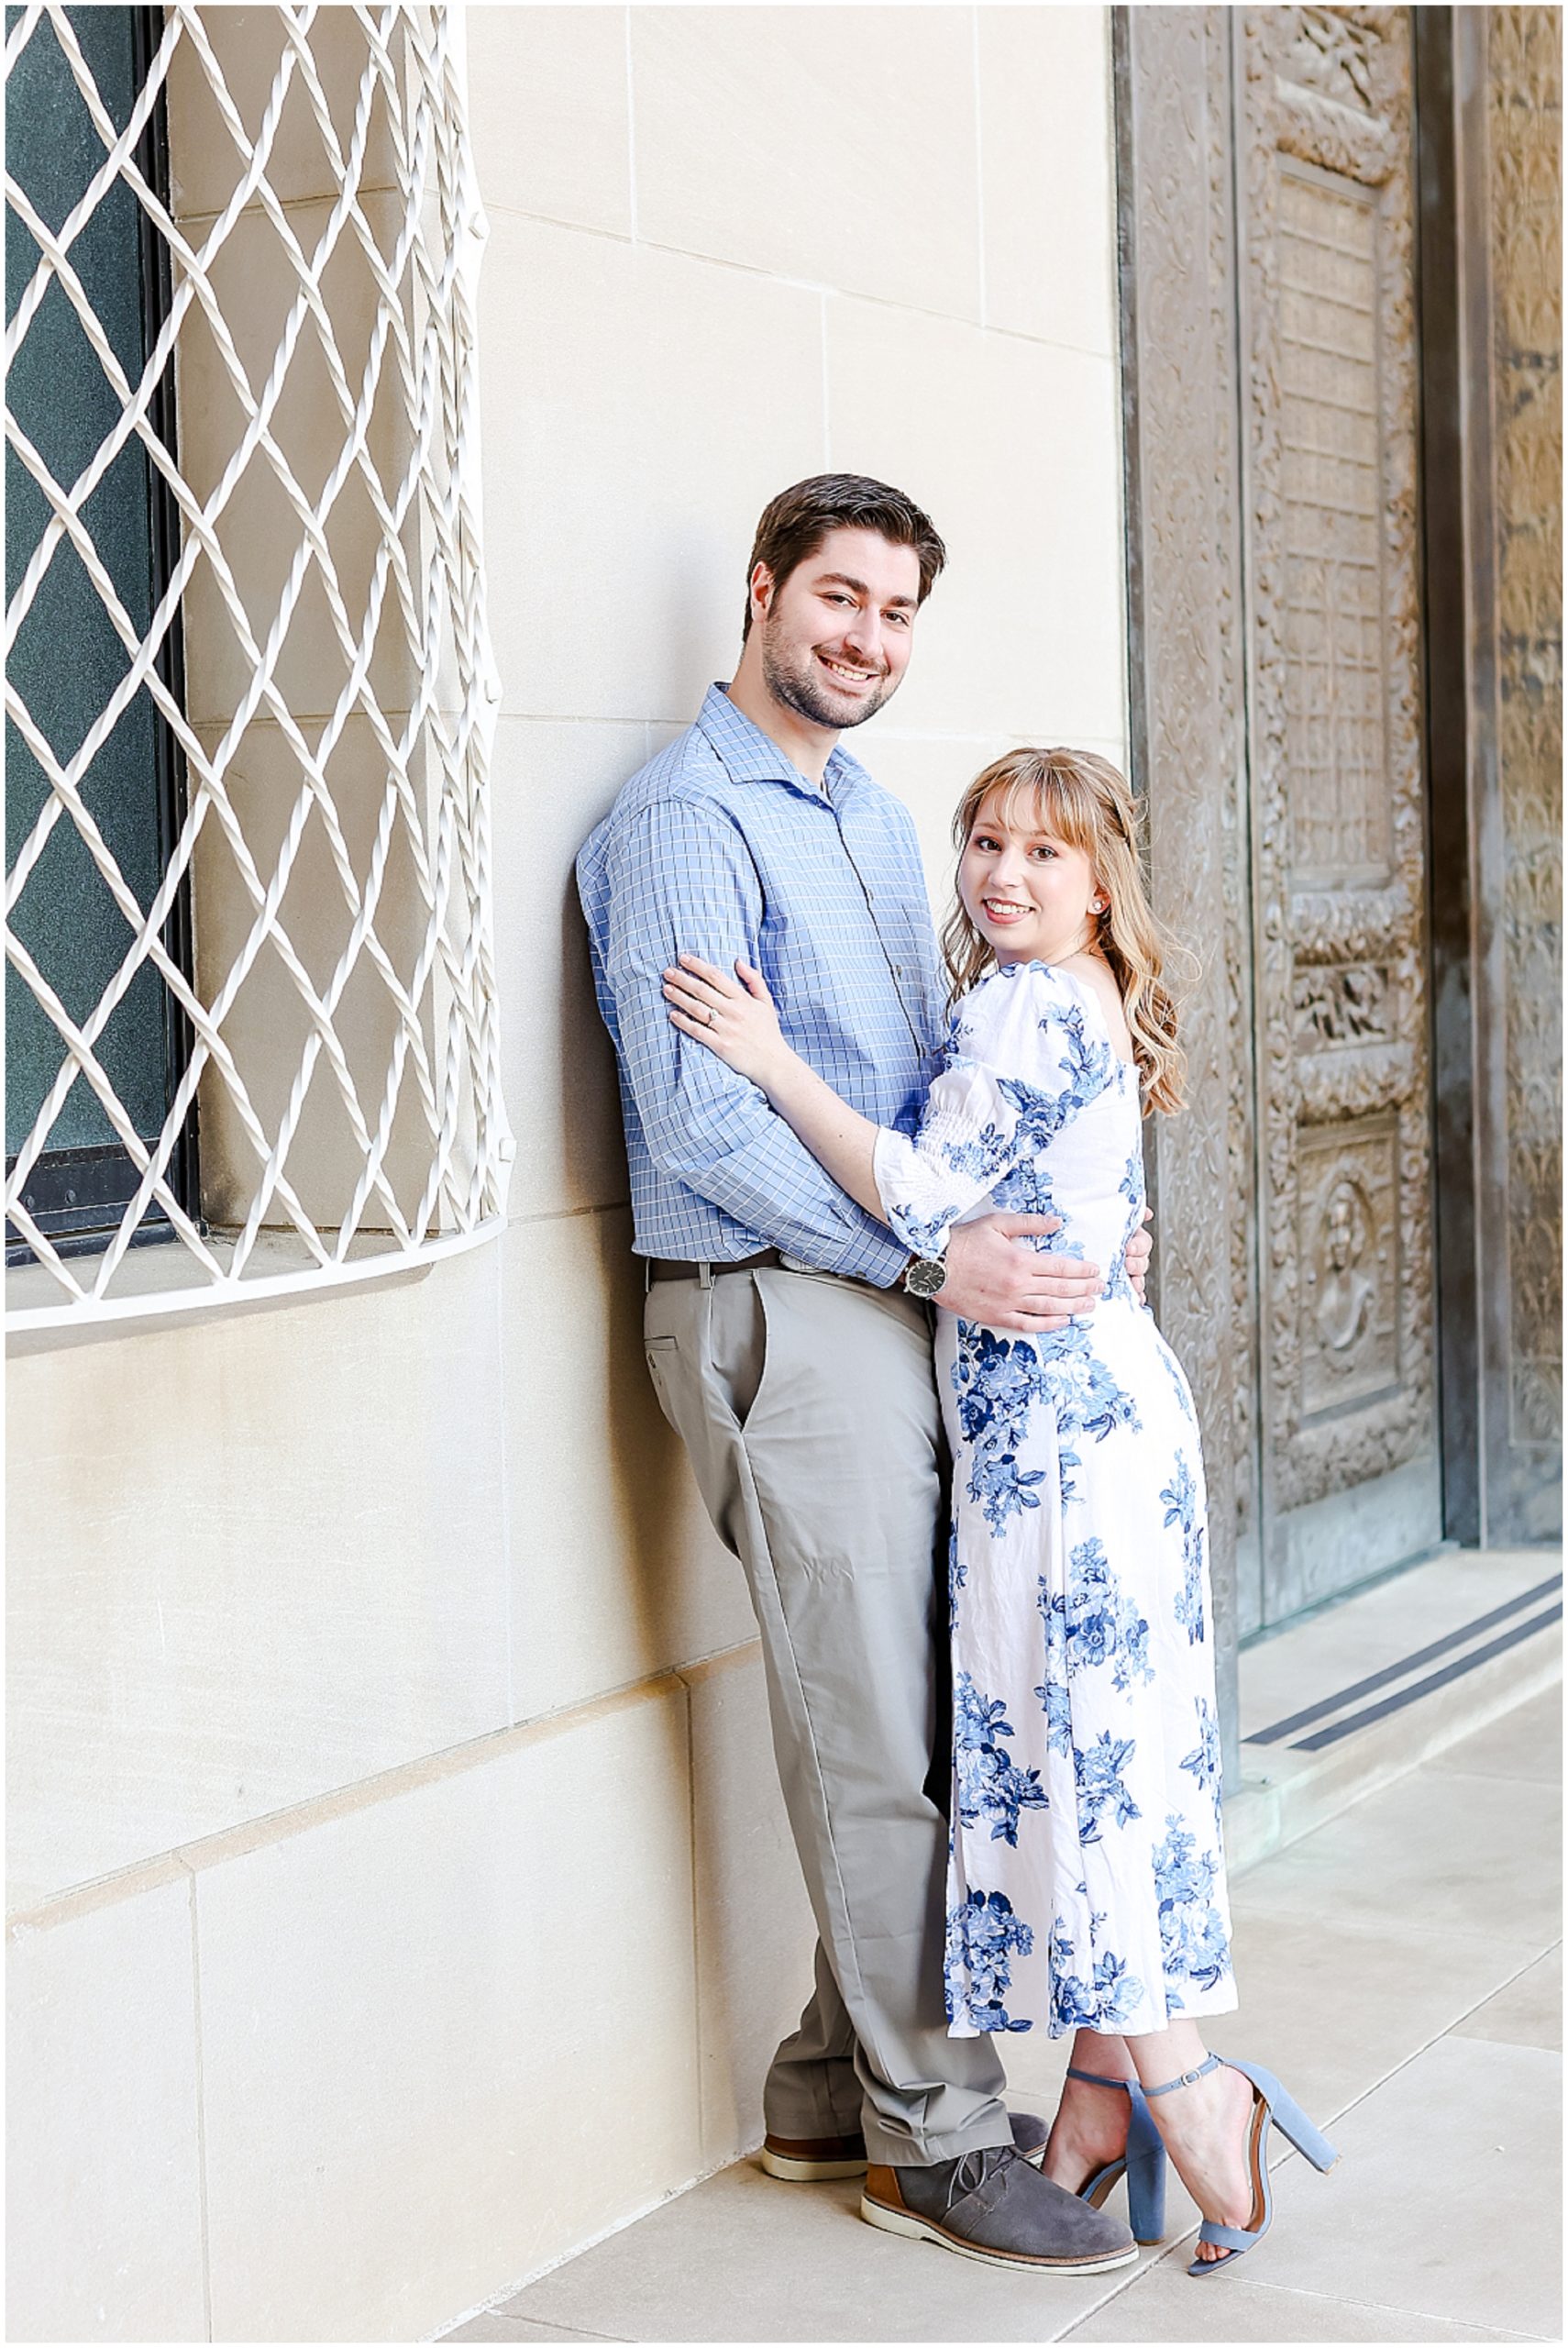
(1095, 2080)
(1186, 2078)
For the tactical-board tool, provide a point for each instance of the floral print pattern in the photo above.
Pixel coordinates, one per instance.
(1203, 1761)
(1102, 1787)
(1086, 1876)
(1100, 1624)
(1192, 1926)
(996, 1380)
(958, 1575)
(1181, 1497)
(983, 1936)
(1054, 1699)
(1107, 1997)
(989, 1782)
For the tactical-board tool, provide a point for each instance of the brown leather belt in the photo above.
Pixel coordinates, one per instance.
(660, 1268)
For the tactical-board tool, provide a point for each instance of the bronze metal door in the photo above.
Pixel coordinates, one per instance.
(1345, 1471)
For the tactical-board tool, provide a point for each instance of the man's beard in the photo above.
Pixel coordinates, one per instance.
(808, 697)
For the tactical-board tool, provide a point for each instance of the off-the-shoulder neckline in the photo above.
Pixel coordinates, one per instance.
(1083, 989)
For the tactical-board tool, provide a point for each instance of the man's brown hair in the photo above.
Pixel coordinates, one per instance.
(795, 523)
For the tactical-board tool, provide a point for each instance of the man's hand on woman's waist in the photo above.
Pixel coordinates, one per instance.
(1139, 1250)
(992, 1278)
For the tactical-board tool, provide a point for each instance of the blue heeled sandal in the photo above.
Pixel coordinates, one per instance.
(1272, 2108)
(1143, 2164)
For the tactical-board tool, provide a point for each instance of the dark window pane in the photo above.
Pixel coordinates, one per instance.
(68, 659)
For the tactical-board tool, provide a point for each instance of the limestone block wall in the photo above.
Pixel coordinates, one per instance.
(400, 1892)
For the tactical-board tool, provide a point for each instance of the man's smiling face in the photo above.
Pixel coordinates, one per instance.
(836, 635)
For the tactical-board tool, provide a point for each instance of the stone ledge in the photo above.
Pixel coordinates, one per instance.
(1285, 1794)
(387, 1785)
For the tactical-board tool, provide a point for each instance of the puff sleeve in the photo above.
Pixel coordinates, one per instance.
(1021, 1065)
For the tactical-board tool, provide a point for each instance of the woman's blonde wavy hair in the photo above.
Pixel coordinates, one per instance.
(1082, 799)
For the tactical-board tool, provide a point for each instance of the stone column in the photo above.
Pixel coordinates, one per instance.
(1178, 354)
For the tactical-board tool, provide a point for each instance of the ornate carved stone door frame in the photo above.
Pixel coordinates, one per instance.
(1176, 239)
(1264, 166)
(1256, 145)
(1325, 157)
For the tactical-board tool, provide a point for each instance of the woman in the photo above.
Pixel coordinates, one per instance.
(1085, 1879)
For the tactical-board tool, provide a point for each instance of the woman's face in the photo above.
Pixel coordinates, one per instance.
(1032, 897)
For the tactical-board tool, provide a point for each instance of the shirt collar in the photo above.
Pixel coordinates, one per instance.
(748, 755)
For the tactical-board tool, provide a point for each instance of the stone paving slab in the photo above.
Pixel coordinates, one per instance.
(1529, 2012)
(1526, 1743)
(1397, 1967)
(1169, 2306)
(745, 2258)
(1465, 1857)
(1447, 2200)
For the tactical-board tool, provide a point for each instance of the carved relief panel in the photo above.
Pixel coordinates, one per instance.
(1269, 369)
(1347, 1388)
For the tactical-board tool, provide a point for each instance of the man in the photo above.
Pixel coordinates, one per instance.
(788, 1338)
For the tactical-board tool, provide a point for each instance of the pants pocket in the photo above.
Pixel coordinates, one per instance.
(738, 1343)
(660, 1352)
(721, 1351)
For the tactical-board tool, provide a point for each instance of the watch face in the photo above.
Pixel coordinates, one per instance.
(924, 1278)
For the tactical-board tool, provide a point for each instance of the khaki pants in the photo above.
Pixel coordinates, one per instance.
(808, 1405)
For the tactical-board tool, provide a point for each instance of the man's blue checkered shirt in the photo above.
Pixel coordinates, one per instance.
(719, 846)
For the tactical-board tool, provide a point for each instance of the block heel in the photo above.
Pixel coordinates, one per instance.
(1146, 2185)
(1272, 2107)
(1289, 2119)
(1143, 2164)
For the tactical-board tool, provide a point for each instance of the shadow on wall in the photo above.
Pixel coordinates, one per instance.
(687, 1591)
(594, 1143)
(755, 1931)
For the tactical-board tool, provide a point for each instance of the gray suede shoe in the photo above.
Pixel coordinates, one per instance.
(995, 2207)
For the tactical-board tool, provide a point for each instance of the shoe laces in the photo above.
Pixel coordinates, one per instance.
(971, 2172)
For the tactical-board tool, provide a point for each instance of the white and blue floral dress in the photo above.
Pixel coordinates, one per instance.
(1086, 1878)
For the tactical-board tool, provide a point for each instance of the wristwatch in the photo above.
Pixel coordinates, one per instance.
(925, 1275)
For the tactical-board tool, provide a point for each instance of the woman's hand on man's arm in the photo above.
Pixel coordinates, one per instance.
(992, 1276)
(737, 1020)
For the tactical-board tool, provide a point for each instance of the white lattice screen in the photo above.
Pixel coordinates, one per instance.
(333, 699)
